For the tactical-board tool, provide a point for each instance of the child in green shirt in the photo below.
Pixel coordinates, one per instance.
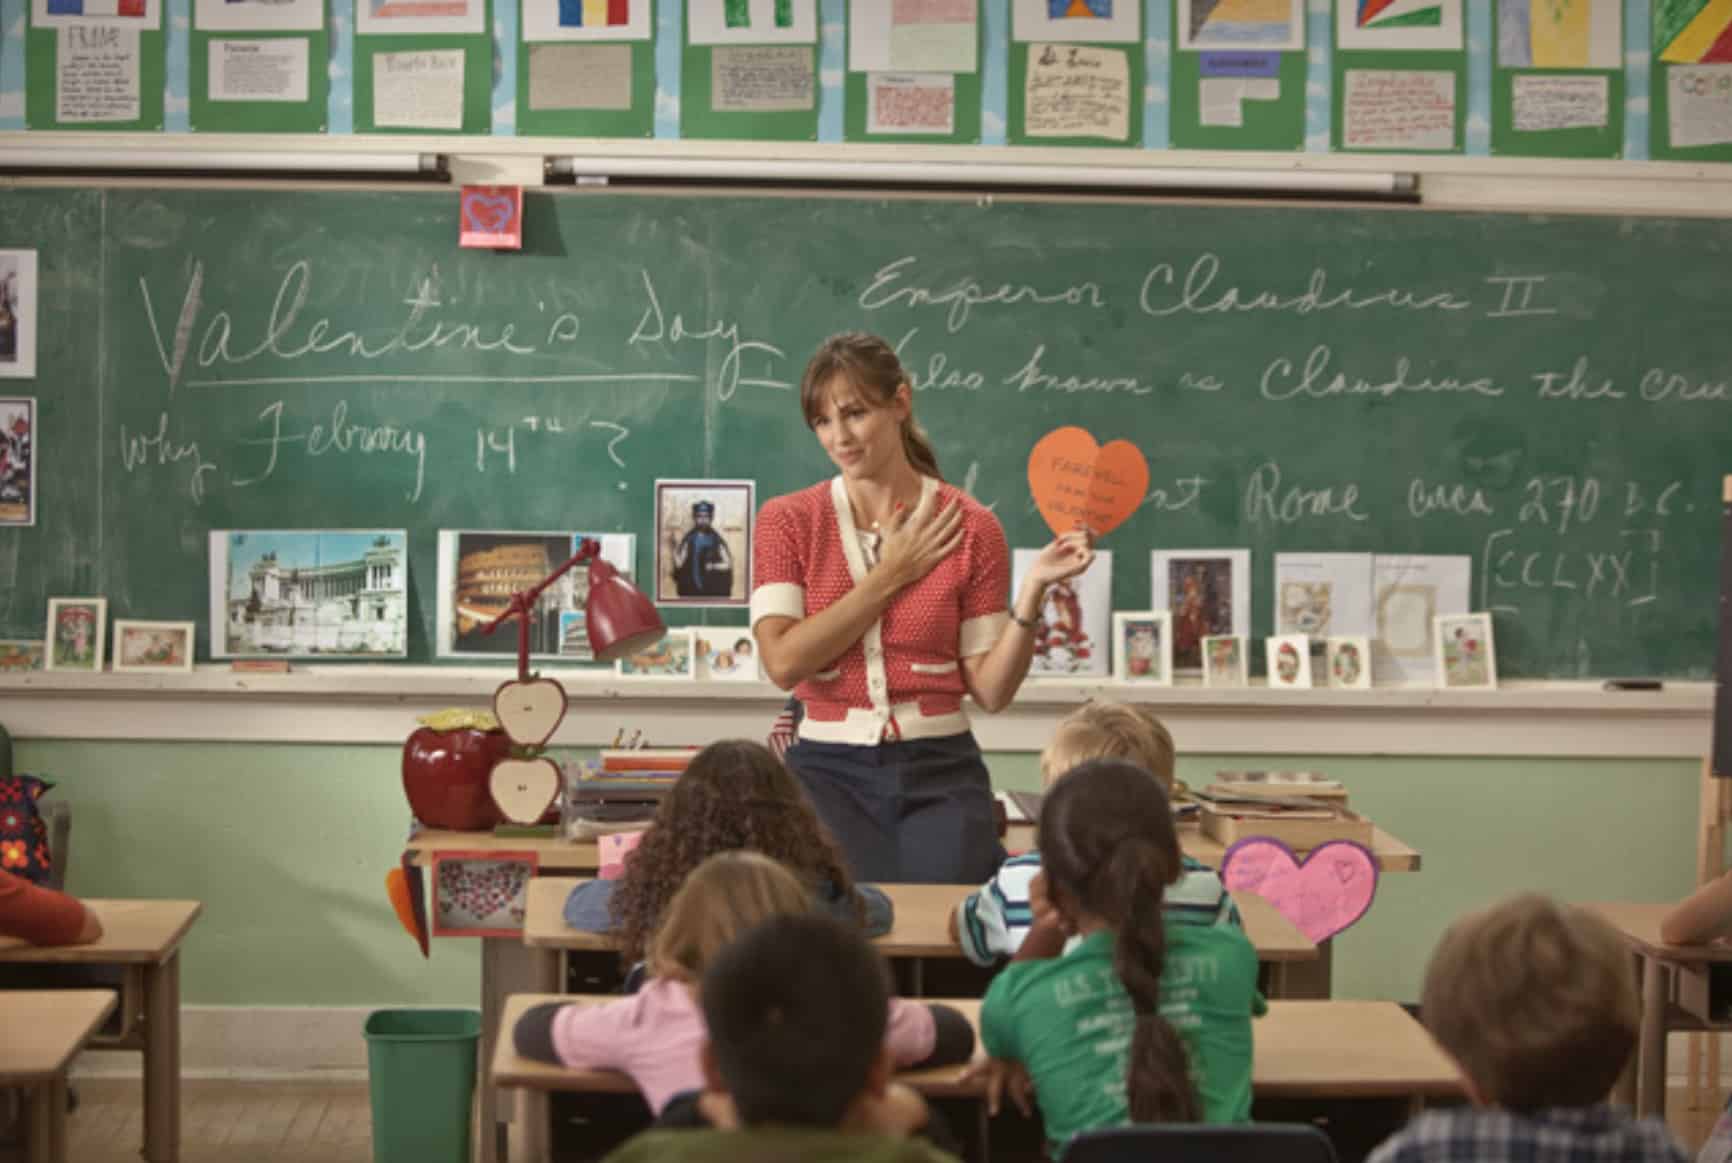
(1148, 1017)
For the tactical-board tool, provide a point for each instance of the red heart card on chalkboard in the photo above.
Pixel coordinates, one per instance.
(1077, 482)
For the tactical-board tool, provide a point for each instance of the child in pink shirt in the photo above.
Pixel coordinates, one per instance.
(655, 1034)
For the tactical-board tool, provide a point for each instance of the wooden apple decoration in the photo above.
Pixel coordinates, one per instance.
(530, 709)
(524, 789)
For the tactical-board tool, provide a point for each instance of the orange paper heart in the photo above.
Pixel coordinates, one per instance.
(1077, 482)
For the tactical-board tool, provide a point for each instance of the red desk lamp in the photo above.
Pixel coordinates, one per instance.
(620, 621)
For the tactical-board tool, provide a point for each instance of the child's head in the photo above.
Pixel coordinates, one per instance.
(733, 794)
(1108, 852)
(1107, 730)
(796, 1013)
(1535, 1001)
(724, 897)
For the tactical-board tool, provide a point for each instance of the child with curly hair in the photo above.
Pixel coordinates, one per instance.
(733, 794)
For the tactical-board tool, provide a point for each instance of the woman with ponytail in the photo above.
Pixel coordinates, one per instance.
(1147, 1016)
(879, 599)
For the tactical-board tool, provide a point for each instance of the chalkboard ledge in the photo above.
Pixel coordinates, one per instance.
(378, 705)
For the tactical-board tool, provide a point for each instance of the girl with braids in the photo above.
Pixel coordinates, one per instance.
(733, 794)
(1147, 1016)
(879, 600)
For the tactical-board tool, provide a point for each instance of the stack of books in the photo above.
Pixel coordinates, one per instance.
(620, 790)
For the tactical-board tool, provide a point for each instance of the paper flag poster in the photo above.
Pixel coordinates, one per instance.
(1241, 24)
(134, 14)
(1398, 25)
(1560, 34)
(591, 20)
(916, 36)
(420, 17)
(258, 15)
(752, 21)
(1077, 21)
(1693, 32)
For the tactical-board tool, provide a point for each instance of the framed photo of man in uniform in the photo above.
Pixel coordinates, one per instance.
(703, 534)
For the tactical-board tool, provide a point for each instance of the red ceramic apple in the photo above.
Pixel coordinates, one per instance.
(445, 776)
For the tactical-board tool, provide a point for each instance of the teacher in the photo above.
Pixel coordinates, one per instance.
(879, 599)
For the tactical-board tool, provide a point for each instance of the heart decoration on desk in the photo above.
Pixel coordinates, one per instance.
(480, 893)
(1076, 482)
(524, 789)
(1322, 895)
(530, 710)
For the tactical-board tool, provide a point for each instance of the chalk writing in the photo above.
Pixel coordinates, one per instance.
(342, 436)
(887, 289)
(1316, 381)
(1031, 375)
(1199, 296)
(139, 449)
(1267, 500)
(653, 327)
(1457, 500)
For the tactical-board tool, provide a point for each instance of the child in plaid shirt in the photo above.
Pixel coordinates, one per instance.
(1536, 1003)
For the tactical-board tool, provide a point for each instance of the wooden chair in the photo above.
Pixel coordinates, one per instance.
(1194, 1143)
(1703, 1072)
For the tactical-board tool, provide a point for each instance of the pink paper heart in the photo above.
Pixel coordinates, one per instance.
(1322, 894)
(489, 213)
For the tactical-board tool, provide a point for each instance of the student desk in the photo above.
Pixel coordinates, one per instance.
(143, 937)
(508, 967)
(44, 1029)
(1304, 1050)
(921, 928)
(1643, 1084)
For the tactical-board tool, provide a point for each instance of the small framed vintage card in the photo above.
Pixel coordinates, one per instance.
(20, 654)
(1070, 634)
(703, 535)
(1288, 657)
(1466, 657)
(76, 632)
(675, 656)
(1349, 660)
(152, 647)
(1209, 593)
(17, 314)
(481, 894)
(726, 653)
(1224, 662)
(17, 460)
(1143, 647)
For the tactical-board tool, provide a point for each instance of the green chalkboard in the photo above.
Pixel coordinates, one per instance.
(1549, 395)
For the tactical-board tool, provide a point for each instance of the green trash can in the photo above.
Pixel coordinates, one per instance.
(421, 1078)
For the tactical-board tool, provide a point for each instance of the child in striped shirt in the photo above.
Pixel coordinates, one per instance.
(993, 922)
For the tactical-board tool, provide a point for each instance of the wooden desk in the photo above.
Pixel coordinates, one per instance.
(921, 927)
(144, 937)
(507, 966)
(1643, 1084)
(45, 1028)
(581, 858)
(1303, 1049)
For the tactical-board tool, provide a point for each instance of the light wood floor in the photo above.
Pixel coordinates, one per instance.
(318, 1122)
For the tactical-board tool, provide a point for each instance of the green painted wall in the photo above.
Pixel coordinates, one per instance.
(288, 847)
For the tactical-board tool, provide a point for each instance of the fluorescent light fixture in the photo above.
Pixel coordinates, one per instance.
(1295, 181)
(15, 158)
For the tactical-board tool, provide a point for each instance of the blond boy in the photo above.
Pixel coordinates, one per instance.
(994, 921)
(1536, 1004)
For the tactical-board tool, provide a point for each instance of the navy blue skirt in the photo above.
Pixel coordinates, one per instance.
(915, 811)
